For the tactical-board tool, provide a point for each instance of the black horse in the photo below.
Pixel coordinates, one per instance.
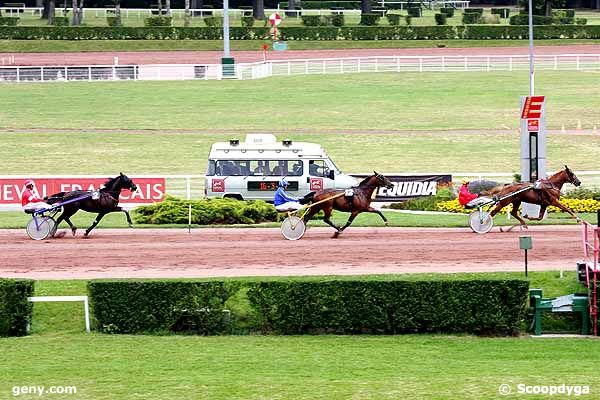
(102, 202)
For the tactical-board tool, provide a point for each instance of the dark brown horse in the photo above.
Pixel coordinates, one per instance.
(102, 202)
(360, 202)
(547, 195)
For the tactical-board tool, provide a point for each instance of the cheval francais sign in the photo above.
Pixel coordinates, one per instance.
(150, 190)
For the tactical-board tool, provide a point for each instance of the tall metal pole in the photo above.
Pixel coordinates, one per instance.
(226, 27)
(531, 72)
(227, 62)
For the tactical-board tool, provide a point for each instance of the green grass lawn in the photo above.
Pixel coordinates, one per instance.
(286, 367)
(44, 46)
(399, 122)
(340, 103)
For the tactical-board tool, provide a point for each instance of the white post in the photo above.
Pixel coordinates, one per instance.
(341, 65)
(18, 74)
(443, 64)
(577, 58)
(289, 68)
(90, 73)
(420, 64)
(488, 63)
(359, 65)
(397, 64)
(510, 63)
(555, 63)
(86, 311)
(466, 63)
(42, 74)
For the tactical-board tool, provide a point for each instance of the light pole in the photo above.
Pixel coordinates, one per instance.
(227, 61)
(531, 71)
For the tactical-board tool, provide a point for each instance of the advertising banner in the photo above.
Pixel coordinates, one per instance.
(410, 186)
(150, 190)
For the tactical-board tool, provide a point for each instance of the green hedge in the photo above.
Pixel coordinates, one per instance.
(416, 12)
(369, 19)
(478, 11)
(158, 20)
(449, 11)
(389, 307)
(471, 18)
(393, 19)
(247, 21)
(310, 305)
(9, 21)
(157, 306)
(15, 309)
(206, 212)
(60, 21)
(302, 33)
(441, 18)
(114, 21)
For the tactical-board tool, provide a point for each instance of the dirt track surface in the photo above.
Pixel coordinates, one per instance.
(154, 253)
(211, 57)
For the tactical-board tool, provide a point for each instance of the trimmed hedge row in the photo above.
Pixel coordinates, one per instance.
(304, 33)
(157, 306)
(206, 212)
(473, 306)
(15, 309)
(9, 21)
(309, 306)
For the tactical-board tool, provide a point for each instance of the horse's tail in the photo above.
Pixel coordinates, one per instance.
(493, 191)
(55, 198)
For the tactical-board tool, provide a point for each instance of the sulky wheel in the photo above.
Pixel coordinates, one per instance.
(293, 228)
(481, 221)
(39, 228)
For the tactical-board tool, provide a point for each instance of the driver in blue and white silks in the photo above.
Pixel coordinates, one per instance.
(283, 201)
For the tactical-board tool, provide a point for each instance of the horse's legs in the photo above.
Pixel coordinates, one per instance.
(352, 216)
(96, 221)
(309, 214)
(515, 213)
(540, 216)
(560, 205)
(373, 210)
(127, 214)
(327, 210)
(65, 217)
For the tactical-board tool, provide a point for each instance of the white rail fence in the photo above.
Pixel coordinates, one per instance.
(325, 66)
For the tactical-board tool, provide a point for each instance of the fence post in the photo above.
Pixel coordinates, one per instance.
(577, 62)
(555, 63)
(510, 63)
(42, 73)
(324, 66)
(289, 63)
(466, 63)
(443, 64)
(359, 65)
(420, 64)
(188, 187)
(90, 73)
(114, 75)
(341, 65)
(18, 74)
(306, 67)
(397, 64)
(488, 64)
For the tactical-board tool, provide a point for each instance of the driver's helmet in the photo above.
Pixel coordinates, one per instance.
(283, 183)
(29, 182)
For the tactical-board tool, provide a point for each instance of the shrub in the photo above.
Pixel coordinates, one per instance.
(471, 18)
(60, 21)
(568, 13)
(123, 306)
(408, 19)
(390, 306)
(248, 21)
(449, 11)
(522, 19)
(9, 21)
(338, 20)
(393, 19)
(114, 21)
(213, 21)
(158, 20)
(501, 12)
(15, 309)
(440, 19)
(369, 19)
(206, 212)
(580, 21)
(416, 12)
(311, 20)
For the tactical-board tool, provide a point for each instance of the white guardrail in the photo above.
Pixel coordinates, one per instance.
(192, 186)
(398, 64)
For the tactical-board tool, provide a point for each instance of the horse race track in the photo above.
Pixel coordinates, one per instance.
(220, 252)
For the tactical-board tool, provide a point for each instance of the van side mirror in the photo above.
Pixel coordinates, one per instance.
(331, 174)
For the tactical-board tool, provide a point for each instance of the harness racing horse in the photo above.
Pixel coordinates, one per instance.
(547, 195)
(105, 201)
(360, 202)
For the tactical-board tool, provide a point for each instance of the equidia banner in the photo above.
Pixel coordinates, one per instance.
(150, 190)
(410, 186)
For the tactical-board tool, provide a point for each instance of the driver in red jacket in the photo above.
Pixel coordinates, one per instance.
(31, 200)
(464, 196)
